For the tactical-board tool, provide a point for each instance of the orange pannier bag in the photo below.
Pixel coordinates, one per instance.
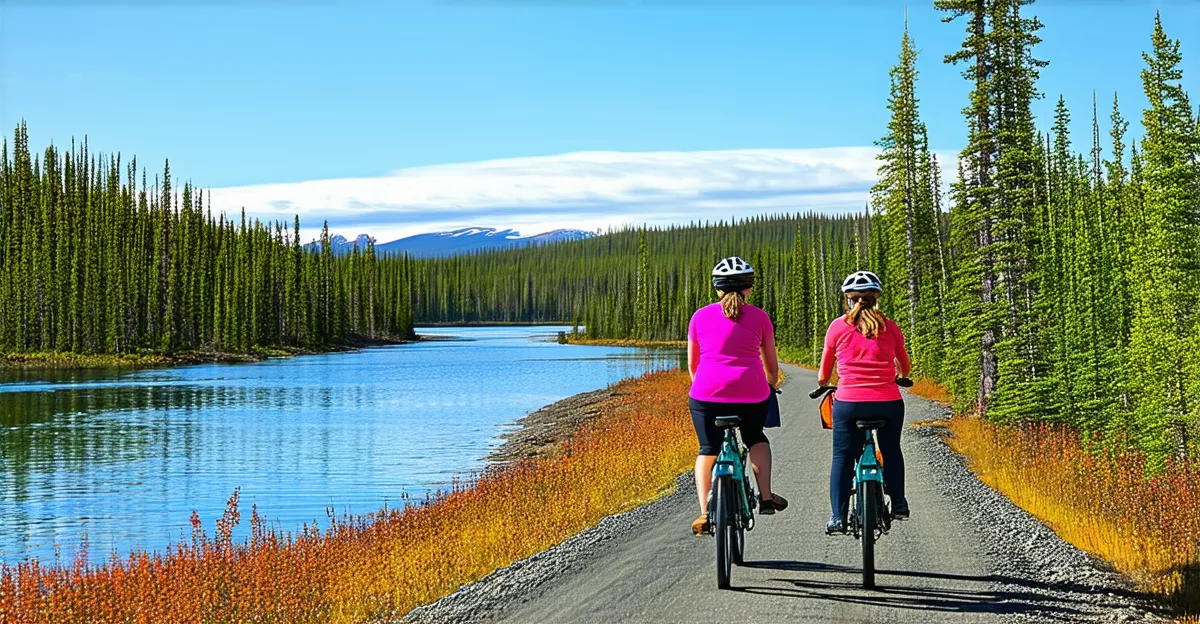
(826, 408)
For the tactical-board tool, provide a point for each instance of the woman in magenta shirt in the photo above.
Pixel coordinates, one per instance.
(869, 349)
(734, 367)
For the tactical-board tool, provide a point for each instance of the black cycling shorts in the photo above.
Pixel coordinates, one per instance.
(704, 414)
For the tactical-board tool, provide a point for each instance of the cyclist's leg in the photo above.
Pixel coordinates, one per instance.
(893, 456)
(754, 416)
(848, 443)
(710, 437)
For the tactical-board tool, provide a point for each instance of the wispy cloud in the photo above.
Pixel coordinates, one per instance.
(586, 190)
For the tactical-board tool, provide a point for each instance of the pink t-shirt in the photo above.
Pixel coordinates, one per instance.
(866, 366)
(730, 368)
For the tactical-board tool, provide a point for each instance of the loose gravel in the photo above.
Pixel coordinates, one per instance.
(1029, 563)
(1027, 558)
(1025, 555)
(486, 598)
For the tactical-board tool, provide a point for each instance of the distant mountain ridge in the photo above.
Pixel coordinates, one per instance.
(454, 242)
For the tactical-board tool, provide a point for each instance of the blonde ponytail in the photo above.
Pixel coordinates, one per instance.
(864, 316)
(731, 304)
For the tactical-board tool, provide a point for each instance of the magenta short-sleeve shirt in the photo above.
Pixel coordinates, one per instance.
(866, 366)
(730, 369)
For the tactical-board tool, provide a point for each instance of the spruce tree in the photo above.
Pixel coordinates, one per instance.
(1163, 337)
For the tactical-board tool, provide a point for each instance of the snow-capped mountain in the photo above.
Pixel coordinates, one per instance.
(340, 245)
(465, 240)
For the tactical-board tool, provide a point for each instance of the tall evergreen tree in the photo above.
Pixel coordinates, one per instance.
(976, 277)
(1163, 337)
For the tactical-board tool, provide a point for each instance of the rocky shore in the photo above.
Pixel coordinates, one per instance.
(542, 431)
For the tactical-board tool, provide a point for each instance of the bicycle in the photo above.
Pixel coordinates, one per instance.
(732, 499)
(870, 515)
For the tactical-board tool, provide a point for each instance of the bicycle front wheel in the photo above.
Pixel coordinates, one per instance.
(868, 496)
(724, 529)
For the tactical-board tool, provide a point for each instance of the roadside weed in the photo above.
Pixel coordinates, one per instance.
(1101, 500)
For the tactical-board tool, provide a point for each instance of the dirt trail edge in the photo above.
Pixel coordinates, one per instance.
(967, 555)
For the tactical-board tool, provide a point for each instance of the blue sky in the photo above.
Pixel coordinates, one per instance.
(260, 95)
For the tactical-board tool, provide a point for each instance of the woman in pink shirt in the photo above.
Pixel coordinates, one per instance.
(869, 349)
(734, 367)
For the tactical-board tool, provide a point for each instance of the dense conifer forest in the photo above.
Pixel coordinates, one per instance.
(1046, 282)
(1049, 283)
(91, 263)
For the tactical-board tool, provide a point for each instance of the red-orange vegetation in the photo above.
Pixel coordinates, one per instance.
(1101, 500)
(383, 564)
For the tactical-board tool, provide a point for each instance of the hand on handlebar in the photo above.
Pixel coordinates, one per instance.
(820, 391)
(903, 382)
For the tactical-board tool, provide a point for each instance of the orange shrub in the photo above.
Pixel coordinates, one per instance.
(1100, 500)
(386, 563)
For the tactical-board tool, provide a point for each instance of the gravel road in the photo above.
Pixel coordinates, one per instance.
(967, 555)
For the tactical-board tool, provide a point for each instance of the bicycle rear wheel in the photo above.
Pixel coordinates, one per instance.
(738, 549)
(742, 522)
(723, 527)
(868, 496)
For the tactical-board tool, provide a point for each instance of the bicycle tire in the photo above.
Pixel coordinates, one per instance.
(868, 497)
(723, 529)
(739, 542)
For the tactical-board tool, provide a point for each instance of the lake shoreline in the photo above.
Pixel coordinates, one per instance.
(68, 361)
(624, 342)
(464, 387)
(494, 324)
(540, 433)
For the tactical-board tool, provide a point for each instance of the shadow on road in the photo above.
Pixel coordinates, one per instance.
(958, 593)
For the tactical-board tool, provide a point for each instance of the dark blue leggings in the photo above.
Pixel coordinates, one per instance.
(848, 442)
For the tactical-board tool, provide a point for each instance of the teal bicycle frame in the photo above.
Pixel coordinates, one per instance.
(730, 501)
(869, 516)
(731, 462)
(867, 468)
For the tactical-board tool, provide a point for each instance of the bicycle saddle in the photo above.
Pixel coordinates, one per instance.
(871, 424)
(728, 421)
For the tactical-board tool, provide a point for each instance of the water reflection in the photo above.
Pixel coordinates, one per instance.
(125, 457)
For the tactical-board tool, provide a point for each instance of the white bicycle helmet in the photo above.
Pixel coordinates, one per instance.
(732, 273)
(861, 281)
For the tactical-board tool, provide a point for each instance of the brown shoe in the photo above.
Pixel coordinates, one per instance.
(768, 506)
(701, 526)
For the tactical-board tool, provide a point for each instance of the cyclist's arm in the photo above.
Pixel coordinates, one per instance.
(693, 356)
(903, 365)
(825, 371)
(770, 357)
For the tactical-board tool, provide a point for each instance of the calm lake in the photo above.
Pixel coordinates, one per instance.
(123, 459)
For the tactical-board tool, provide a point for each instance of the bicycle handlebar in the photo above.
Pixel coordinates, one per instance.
(816, 394)
(903, 382)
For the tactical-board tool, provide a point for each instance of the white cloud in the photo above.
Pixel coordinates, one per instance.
(586, 190)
